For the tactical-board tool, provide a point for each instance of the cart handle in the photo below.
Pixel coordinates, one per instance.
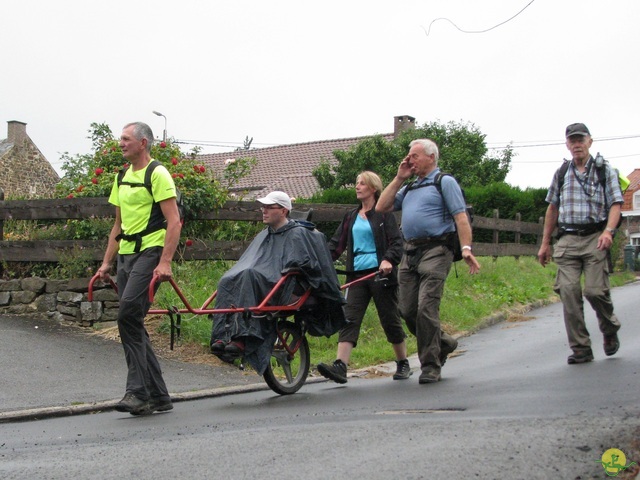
(361, 279)
(261, 307)
(93, 280)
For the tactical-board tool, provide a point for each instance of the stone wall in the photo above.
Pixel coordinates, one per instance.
(62, 300)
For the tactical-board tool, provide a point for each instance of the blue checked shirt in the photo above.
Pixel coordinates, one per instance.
(583, 200)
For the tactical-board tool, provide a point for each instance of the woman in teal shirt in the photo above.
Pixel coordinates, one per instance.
(373, 242)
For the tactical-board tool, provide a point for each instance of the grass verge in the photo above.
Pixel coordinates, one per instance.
(506, 287)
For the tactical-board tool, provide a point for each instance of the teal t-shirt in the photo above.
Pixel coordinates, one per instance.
(364, 246)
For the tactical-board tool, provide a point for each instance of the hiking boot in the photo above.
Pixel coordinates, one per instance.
(235, 347)
(132, 404)
(611, 344)
(217, 347)
(403, 370)
(156, 404)
(431, 375)
(446, 348)
(160, 404)
(582, 357)
(336, 372)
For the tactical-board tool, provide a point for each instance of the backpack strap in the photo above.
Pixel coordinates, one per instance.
(437, 182)
(562, 172)
(147, 177)
(601, 171)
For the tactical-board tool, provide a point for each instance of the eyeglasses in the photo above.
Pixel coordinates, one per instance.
(270, 207)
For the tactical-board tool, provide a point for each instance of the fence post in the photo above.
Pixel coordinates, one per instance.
(539, 236)
(517, 235)
(496, 233)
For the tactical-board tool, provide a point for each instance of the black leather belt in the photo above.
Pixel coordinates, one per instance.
(431, 241)
(581, 230)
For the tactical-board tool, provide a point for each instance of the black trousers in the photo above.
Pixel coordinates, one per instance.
(386, 302)
(135, 271)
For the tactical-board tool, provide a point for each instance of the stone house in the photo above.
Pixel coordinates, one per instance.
(24, 170)
(631, 209)
(289, 167)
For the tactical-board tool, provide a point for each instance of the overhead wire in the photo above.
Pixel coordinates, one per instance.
(505, 145)
(476, 31)
(554, 144)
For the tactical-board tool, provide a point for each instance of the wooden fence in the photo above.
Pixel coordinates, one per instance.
(86, 208)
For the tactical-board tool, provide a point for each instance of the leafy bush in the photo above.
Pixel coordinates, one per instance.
(509, 201)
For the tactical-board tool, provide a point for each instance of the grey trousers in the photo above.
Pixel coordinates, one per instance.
(135, 271)
(576, 256)
(421, 284)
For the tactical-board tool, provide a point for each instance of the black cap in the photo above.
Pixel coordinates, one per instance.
(577, 129)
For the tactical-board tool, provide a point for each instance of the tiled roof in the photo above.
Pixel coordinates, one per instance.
(634, 186)
(286, 167)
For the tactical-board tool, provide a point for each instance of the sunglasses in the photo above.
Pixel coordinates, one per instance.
(270, 207)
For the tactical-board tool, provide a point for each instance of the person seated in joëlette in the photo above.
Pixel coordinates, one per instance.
(283, 246)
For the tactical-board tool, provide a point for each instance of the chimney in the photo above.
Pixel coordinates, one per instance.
(402, 123)
(17, 132)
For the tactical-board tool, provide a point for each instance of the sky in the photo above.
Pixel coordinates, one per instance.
(286, 71)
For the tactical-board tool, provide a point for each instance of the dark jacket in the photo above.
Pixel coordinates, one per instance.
(386, 235)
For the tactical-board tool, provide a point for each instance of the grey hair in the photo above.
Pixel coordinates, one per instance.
(429, 146)
(142, 130)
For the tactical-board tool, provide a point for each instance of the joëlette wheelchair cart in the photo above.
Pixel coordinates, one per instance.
(290, 359)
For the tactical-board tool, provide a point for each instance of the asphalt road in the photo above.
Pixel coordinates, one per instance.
(45, 364)
(508, 407)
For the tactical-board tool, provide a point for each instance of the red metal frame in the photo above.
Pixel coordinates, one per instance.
(204, 310)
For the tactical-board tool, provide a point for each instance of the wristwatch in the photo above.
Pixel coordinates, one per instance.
(612, 231)
(466, 247)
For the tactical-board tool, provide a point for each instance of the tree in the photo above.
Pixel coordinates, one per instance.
(92, 175)
(463, 153)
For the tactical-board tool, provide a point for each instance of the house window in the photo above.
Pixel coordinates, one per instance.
(636, 200)
(635, 239)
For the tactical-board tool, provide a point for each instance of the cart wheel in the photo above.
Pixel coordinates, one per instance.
(286, 373)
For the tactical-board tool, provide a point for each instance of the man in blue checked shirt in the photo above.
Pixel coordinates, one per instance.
(584, 204)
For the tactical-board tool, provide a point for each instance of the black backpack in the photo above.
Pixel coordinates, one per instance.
(156, 218)
(437, 182)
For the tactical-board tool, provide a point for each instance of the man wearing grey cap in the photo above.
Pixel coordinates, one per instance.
(584, 204)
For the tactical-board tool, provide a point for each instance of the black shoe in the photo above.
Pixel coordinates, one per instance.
(336, 372)
(160, 404)
(403, 370)
(446, 349)
(583, 357)
(132, 404)
(217, 347)
(235, 347)
(431, 375)
(611, 344)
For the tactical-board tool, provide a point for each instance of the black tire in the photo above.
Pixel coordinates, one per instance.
(286, 373)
